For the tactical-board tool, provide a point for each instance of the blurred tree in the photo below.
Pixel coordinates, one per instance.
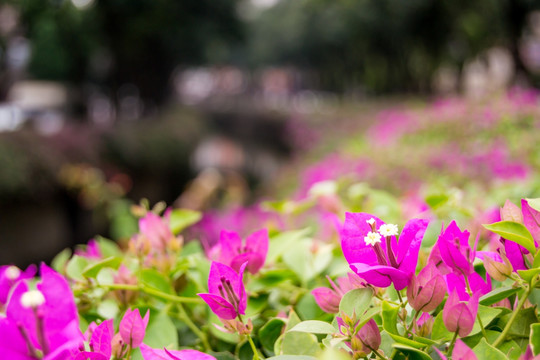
(114, 42)
(385, 45)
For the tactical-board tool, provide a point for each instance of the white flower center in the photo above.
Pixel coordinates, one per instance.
(32, 299)
(372, 238)
(388, 230)
(13, 272)
(371, 221)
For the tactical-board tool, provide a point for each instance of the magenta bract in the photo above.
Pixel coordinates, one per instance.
(100, 341)
(455, 251)
(460, 352)
(10, 275)
(49, 325)
(133, 327)
(427, 290)
(234, 252)
(396, 261)
(329, 299)
(158, 354)
(227, 295)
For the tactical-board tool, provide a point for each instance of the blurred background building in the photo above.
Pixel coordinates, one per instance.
(106, 101)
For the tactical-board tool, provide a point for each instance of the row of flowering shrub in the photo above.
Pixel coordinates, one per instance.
(319, 275)
(386, 295)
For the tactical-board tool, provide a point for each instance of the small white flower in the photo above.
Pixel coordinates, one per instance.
(372, 238)
(388, 230)
(371, 221)
(32, 299)
(12, 272)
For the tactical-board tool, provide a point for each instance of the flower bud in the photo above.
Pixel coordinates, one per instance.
(424, 325)
(370, 335)
(459, 316)
(426, 291)
(498, 270)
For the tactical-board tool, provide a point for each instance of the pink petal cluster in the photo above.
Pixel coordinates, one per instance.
(49, 325)
(328, 299)
(234, 252)
(227, 296)
(396, 261)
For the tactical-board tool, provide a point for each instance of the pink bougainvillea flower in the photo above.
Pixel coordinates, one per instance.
(227, 295)
(100, 342)
(328, 299)
(233, 252)
(156, 230)
(133, 327)
(461, 352)
(157, 354)
(10, 275)
(427, 290)
(43, 321)
(476, 283)
(91, 251)
(455, 252)
(395, 262)
(459, 316)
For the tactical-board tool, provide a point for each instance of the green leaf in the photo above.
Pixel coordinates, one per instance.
(108, 309)
(411, 352)
(513, 231)
(534, 203)
(183, 218)
(355, 301)
(536, 260)
(92, 270)
(156, 280)
(528, 275)
(485, 351)
(296, 343)
(314, 327)
(59, 262)
(108, 247)
(161, 331)
(270, 332)
(389, 317)
(281, 243)
(408, 342)
(305, 263)
(497, 295)
(535, 339)
(521, 326)
(76, 266)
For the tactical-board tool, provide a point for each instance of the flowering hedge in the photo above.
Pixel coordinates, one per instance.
(339, 270)
(386, 295)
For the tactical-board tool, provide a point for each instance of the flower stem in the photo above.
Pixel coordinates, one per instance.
(452, 343)
(187, 320)
(254, 348)
(515, 313)
(378, 354)
(400, 299)
(154, 292)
